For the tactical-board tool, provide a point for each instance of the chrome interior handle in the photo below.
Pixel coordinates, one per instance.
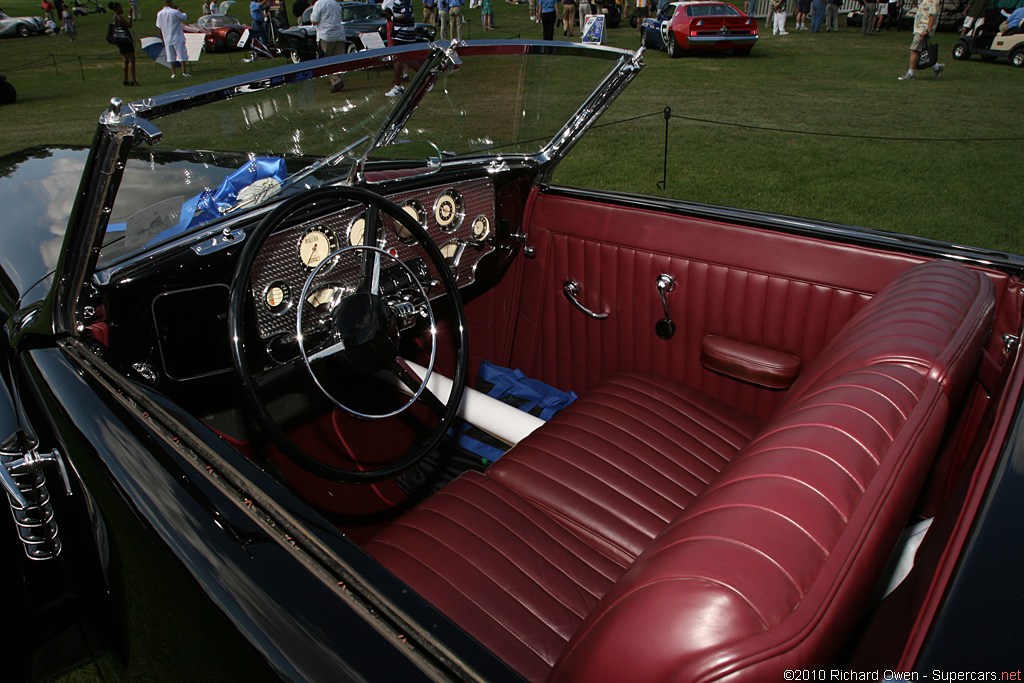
(571, 291)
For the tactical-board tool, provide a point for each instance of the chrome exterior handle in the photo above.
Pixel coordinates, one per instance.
(571, 291)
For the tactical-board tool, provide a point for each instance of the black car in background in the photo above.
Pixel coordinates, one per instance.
(299, 42)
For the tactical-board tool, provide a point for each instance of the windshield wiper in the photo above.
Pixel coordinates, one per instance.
(326, 161)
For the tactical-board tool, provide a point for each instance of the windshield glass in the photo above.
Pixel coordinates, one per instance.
(236, 147)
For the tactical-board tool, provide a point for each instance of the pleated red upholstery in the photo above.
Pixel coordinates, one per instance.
(650, 533)
(623, 460)
(505, 571)
(766, 569)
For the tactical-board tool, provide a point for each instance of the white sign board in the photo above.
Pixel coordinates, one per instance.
(593, 30)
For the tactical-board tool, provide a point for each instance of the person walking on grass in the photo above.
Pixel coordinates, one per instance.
(924, 26)
(330, 35)
(127, 50)
(170, 20)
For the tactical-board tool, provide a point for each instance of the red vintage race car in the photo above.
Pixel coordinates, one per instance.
(704, 26)
(222, 31)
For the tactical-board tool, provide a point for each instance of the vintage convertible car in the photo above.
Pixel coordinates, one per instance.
(222, 31)
(230, 377)
(682, 27)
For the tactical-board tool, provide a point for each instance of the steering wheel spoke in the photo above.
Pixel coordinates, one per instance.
(408, 377)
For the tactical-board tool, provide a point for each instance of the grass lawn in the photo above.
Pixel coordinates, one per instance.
(808, 125)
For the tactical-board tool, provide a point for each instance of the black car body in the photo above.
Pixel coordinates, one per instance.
(211, 472)
(300, 41)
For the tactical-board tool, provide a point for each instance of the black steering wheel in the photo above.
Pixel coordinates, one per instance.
(361, 333)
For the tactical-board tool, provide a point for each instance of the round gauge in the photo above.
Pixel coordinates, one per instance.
(418, 213)
(315, 245)
(357, 231)
(449, 250)
(448, 210)
(481, 228)
(278, 297)
(321, 297)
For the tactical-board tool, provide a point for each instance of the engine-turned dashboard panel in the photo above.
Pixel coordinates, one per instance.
(459, 217)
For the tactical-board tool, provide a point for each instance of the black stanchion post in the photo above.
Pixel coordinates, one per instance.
(81, 69)
(664, 173)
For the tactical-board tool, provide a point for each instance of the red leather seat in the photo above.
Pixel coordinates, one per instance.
(556, 521)
(650, 533)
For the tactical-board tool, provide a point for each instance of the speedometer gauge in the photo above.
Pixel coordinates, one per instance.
(315, 245)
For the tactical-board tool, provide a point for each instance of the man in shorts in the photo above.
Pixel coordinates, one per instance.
(924, 26)
(975, 16)
(169, 21)
(401, 31)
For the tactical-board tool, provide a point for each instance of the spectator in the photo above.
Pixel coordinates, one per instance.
(299, 7)
(69, 29)
(455, 20)
(136, 10)
(546, 9)
(487, 15)
(975, 16)
(817, 15)
(803, 8)
(402, 25)
(430, 12)
(924, 26)
(778, 8)
(751, 8)
(127, 50)
(330, 35)
(1013, 19)
(442, 18)
(258, 13)
(47, 7)
(169, 20)
(569, 16)
(868, 17)
(584, 8)
(832, 15)
(881, 13)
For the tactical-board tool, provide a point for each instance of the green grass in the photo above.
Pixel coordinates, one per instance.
(828, 132)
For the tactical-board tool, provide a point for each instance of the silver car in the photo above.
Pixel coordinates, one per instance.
(19, 26)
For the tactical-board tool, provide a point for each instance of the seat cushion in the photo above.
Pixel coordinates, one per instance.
(501, 569)
(624, 460)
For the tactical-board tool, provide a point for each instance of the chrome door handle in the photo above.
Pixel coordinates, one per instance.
(571, 291)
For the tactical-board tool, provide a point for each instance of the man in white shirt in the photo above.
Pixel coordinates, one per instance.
(169, 21)
(330, 35)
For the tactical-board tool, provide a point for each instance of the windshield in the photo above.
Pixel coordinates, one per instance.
(242, 142)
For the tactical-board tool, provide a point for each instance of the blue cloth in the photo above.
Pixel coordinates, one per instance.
(1016, 16)
(515, 388)
(206, 205)
(547, 5)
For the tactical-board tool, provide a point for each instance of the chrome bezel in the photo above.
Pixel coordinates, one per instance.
(332, 243)
(286, 300)
(458, 213)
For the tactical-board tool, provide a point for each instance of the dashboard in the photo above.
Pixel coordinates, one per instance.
(459, 217)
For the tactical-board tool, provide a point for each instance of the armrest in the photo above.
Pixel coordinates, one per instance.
(748, 362)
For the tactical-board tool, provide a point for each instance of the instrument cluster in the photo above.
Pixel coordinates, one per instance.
(459, 218)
